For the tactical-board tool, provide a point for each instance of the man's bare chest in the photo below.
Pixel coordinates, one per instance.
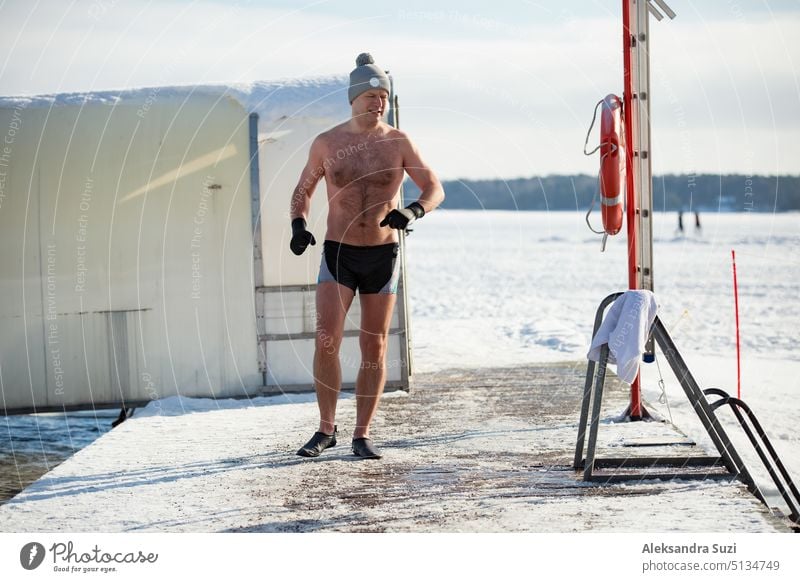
(365, 163)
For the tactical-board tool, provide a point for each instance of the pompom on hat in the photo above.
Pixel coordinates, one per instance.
(366, 76)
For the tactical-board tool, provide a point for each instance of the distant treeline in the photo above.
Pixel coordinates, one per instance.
(706, 192)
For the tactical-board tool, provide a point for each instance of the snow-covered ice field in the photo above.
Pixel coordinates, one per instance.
(497, 288)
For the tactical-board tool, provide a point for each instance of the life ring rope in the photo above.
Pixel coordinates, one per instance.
(588, 133)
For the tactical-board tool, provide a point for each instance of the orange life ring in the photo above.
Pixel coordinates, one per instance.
(612, 164)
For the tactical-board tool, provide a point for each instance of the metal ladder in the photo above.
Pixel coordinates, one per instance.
(727, 465)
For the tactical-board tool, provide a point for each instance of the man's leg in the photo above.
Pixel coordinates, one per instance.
(333, 301)
(376, 316)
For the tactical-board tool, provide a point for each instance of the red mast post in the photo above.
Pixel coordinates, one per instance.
(631, 198)
(638, 169)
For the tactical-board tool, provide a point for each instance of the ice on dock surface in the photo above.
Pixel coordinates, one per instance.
(486, 450)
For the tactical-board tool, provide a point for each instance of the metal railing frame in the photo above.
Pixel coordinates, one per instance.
(728, 457)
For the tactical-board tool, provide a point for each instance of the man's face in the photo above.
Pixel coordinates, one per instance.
(371, 104)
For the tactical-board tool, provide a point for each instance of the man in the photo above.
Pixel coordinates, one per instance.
(363, 161)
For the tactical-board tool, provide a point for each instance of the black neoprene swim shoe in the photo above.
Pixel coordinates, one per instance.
(365, 449)
(318, 443)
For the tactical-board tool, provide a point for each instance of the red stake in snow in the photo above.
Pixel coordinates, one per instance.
(738, 352)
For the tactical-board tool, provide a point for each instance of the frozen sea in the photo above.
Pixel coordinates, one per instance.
(498, 288)
(502, 288)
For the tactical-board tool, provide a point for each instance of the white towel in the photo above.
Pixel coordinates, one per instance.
(625, 329)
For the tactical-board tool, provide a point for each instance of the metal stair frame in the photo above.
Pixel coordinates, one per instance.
(593, 394)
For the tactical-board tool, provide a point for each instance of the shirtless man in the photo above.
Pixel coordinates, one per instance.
(363, 161)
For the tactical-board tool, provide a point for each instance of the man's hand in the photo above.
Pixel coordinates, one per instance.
(301, 237)
(402, 219)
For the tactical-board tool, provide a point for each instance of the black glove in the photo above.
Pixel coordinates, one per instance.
(301, 238)
(402, 219)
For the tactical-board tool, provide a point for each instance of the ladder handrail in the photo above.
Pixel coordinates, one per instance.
(737, 405)
(701, 407)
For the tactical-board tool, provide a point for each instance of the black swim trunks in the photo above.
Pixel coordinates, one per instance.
(373, 269)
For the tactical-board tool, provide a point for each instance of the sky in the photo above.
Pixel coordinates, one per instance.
(498, 89)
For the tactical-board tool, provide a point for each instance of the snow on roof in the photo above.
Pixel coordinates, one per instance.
(272, 100)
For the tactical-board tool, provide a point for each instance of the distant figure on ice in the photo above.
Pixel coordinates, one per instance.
(697, 228)
(680, 222)
(363, 162)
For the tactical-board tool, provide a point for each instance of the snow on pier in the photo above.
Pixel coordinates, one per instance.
(486, 450)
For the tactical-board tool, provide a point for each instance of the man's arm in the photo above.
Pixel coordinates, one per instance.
(309, 178)
(432, 193)
(301, 198)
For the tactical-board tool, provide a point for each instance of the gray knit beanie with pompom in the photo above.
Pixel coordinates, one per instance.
(366, 76)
